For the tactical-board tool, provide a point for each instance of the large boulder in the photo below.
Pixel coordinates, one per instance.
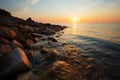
(13, 63)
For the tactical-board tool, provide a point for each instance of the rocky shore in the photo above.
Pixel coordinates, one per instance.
(28, 51)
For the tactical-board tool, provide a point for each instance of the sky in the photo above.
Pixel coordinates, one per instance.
(64, 11)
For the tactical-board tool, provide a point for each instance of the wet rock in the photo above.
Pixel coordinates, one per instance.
(29, 53)
(16, 44)
(13, 63)
(48, 31)
(28, 43)
(36, 35)
(5, 48)
(52, 44)
(7, 33)
(37, 46)
(4, 41)
(27, 76)
(49, 52)
(36, 39)
(90, 59)
(52, 39)
(57, 35)
(59, 69)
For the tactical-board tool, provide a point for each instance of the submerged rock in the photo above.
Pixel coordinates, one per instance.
(64, 62)
(49, 53)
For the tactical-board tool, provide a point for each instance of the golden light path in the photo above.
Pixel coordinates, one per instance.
(75, 20)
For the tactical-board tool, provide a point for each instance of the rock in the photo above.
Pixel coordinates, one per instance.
(48, 31)
(37, 46)
(52, 39)
(16, 44)
(36, 39)
(27, 76)
(29, 53)
(5, 48)
(53, 44)
(50, 53)
(36, 35)
(29, 42)
(29, 20)
(61, 70)
(7, 33)
(4, 13)
(13, 63)
(4, 41)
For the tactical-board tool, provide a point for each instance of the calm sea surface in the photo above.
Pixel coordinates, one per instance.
(99, 41)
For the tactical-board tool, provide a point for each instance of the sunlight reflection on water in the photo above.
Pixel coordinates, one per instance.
(101, 41)
(103, 31)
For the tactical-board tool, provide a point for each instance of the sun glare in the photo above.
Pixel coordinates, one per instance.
(75, 19)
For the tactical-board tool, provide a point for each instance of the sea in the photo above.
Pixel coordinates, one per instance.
(100, 41)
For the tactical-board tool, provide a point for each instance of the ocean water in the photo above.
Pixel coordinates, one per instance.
(99, 41)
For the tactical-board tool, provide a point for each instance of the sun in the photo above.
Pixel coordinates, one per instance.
(75, 19)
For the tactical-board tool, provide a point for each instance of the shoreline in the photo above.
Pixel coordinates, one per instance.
(24, 47)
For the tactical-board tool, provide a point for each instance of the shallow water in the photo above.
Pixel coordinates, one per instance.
(100, 41)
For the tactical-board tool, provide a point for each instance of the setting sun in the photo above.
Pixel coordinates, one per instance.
(75, 19)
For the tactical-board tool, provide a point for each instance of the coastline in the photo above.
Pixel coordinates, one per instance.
(26, 45)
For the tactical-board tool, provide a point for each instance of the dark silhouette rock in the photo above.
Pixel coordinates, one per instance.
(13, 63)
(4, 13)
(29, 20)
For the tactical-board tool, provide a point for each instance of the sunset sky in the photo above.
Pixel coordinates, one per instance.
(64, 11)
